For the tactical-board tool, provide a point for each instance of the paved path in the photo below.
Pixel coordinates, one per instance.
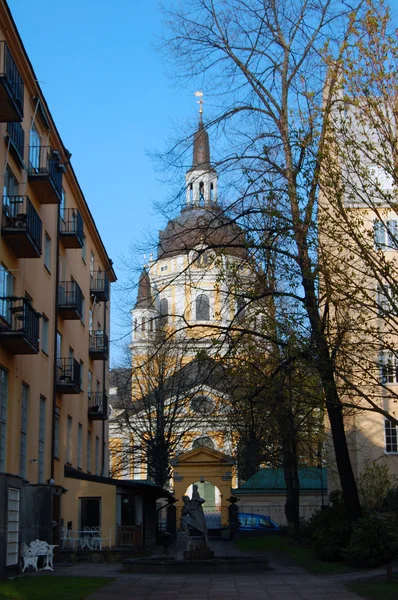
(283, 581)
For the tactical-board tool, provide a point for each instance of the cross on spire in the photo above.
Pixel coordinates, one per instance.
(200, 102)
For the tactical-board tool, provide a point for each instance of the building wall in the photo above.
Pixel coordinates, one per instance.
(33, 277)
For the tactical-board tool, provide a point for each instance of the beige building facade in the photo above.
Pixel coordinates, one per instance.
(55, 277)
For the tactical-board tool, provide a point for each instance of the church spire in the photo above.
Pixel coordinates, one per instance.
(144, 296)
(201, 178)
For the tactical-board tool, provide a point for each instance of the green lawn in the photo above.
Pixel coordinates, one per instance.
(302, 555)
(375, 590)
(47, 587)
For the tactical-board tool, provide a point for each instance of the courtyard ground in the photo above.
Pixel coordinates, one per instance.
(284, 580)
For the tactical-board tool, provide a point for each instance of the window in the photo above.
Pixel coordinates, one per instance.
(79, 445)
(6, 290)
(386, 300)
(90, 384)
(391, 436)
(202, 308)
(164, 311)
(47, 252)
(3, 416)
(83, 308)
(34, 148)
(97, 472)
(89, 451)
(62, 205)
(81, 375)
(42, 431)
(24, 430)
(69, 441)
(44, 334)
(386, 234)
(12, 526)
(59, 344)
(10, 187)
(388, 367)
(56, 432)
(91, 263)
(204, 441)
(84, 249)
(240, 309)
(89, 512)
(90, 320)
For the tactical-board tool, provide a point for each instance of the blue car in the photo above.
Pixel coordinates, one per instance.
(251, 521)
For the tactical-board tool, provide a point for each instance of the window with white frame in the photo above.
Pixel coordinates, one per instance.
(3, 416)
(6, 290)
(12, 526)
(42, 432)
(391, 437)
(84, 249)
(44, 334)
(34, 148)
(386, 234)
(69, 440)
(388, 367)
(89, 451)
(91, 263)
(79, 445)
(23, 435)
(90, 384)
(47, 251)
(202, 306)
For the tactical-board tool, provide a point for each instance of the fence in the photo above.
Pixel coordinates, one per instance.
(277, 511)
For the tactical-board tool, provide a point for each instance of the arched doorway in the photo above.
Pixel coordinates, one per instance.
(212, 505)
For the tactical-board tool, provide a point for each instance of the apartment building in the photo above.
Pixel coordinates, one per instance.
(55, 277)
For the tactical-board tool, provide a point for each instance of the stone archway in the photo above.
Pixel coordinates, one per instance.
(203, 464)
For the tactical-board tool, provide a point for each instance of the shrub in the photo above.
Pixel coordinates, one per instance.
(374, 540)
(373, 485)
(329, 530)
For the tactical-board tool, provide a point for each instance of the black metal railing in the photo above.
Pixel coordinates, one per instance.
(18, 315)
(9, 71)
(17, 136)
(99, 284)
(43, 160)
(70, 295)
(20, 214)
(68, 372)
(98, 341)
(72, 223)
(98, 402)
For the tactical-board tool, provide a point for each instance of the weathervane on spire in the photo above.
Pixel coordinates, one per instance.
(200, 102)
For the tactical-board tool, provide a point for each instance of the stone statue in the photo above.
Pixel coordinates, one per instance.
(192, 514)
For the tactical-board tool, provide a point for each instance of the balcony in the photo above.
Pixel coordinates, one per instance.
(71, 229)
(98, 406)
(19, 326)
(16, 137)
(68, 376)
(99, 286)
(70, 300)
(21, 227)
(45, 174)
(98, 345)
(11, 87)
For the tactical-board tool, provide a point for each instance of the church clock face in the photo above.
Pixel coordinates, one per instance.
(202, 259)
(202, 405)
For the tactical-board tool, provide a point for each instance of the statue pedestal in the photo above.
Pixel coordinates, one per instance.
(188, 548)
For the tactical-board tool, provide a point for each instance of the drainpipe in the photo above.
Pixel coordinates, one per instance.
(55, 347)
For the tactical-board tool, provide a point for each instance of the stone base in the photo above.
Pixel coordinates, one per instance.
(205, 554)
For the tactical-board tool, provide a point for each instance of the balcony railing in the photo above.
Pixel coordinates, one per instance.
(99, 286)
(21, 226)
(68, 376)
(98, 406)
(45, 173)
(98, 345)
(11, 87)
(19, 325)
(70, 300)
(16, 135)
(71, 228)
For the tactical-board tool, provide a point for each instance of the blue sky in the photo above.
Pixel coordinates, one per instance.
(107, 90)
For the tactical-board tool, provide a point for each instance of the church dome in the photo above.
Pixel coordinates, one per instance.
(206, 225)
